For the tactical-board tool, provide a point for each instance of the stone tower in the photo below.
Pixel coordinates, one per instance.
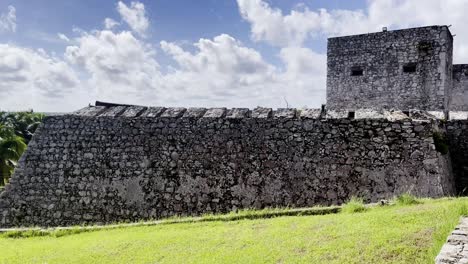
(401, 69)
(459, 101)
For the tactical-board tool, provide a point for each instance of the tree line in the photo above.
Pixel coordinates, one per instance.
(16, 130)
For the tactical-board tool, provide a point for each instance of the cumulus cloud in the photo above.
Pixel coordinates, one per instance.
(121, 67)
(401, 14)
(134, 16)
(304, 76)
(8, 20)
(110, 23)
(272, 26)
(269, 24)
(222, 70)
(63, 37)
(29, 76)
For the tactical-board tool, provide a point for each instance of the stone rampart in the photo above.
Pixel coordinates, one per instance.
(459, 98)
(109, 164)
(457, 134)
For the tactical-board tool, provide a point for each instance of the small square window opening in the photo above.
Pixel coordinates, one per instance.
(357, 71)
(409, 68)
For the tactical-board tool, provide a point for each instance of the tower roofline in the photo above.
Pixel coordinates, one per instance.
(392, 31)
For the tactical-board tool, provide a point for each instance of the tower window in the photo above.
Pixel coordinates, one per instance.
(409, 68)
(424, 46)
(357, 71)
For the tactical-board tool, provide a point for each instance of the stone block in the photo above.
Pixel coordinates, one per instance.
(153, 112)
(393, 116)
(337, 114)
(285, 113)
(114, 111)
(133, 111)
(368, 114)
(238, 113)
(458, 115)
(215, 113)
(174, 112)
(90, 111)
(261, 112)
(310, 113)
(194, 112)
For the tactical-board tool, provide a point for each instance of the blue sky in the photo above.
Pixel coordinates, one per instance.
(184, 21)
(234, 53)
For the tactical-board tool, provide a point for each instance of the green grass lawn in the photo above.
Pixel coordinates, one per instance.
(388, 234)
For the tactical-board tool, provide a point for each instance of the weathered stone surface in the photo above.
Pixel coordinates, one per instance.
(215, 113)
(337, 114)
(261, 112)
(396, 116)
(82, 169)
(285, 113)
(195, 112)
(369, 114)
(133, 111)
(458, 115)
(114, 111)
(457, 135)
(153, 112)
(310, 113)
(437, 114)
(90, 111)
(381, 58)
(174, 112)
(238, 113)
(459, 97)
(455, 251)
(416, 114)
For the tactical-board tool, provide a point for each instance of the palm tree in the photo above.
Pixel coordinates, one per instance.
(16, 130)
(12, 147)
(24, 123)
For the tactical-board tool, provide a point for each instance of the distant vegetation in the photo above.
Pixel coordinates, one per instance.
(16, 130)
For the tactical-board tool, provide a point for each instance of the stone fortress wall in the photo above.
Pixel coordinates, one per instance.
(459, 98)
(457, 135)
(108, 164)
(400, 69)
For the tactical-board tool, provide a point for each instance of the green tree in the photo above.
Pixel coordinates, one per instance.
(16, 130)
(23, 123)
(12, 147)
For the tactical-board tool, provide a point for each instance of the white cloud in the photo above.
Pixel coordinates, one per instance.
(269, 24)
(221, 72)
(402, 14)
(134, 16)
(304, 77)
(8, 20)
(63, 37)
(110, 23)
(30, 77)
(121, 67)
(272, 26)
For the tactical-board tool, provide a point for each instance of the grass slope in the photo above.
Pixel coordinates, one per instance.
(389, 234)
